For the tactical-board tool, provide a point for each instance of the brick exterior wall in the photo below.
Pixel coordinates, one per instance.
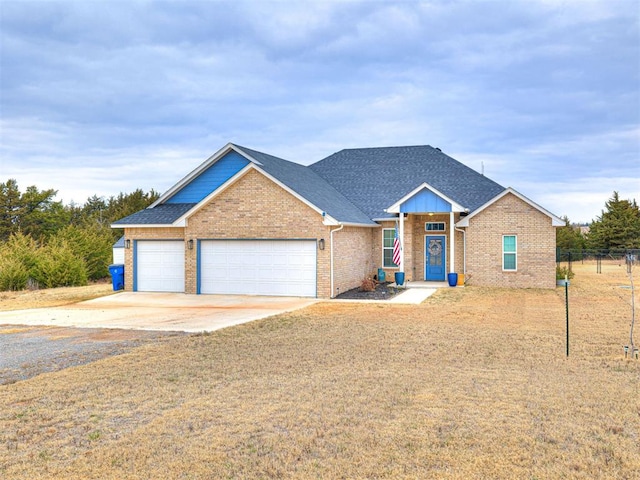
(352, 261)
(256, 208)
(536, 241)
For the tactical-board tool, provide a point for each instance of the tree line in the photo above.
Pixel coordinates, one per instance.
(616, 230)
(45, 244)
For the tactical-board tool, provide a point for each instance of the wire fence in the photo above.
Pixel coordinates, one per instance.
(630, 257)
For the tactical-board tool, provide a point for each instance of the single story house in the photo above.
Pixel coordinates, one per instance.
(245, 222)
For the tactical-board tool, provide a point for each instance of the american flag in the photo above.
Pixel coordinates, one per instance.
(396, 248)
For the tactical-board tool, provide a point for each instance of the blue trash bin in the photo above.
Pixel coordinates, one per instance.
(117, 276)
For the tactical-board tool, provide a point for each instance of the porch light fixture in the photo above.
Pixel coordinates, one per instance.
(190, 244)
(321, 244)
(127, 244)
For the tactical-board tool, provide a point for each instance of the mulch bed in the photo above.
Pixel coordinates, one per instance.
(382, 292)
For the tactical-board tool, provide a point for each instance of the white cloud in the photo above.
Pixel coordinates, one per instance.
(544, 94)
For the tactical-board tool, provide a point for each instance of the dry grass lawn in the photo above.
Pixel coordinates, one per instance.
(52, 297)
(472, 384)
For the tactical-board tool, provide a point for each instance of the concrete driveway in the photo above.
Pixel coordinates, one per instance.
(158, 311)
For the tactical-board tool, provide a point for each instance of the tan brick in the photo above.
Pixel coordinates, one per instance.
(536, 240)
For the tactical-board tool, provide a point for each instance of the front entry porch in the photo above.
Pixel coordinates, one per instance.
(432, 246)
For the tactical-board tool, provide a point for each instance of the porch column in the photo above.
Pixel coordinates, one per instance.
(452, 245)
(401, 235)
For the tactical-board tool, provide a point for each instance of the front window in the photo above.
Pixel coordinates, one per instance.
(388, 234)
(509, 253)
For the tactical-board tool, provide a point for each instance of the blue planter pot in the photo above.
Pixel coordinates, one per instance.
(453, 279)
(399, 276)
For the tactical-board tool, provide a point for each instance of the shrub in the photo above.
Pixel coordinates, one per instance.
(91, 243)
(368, 285)
(23, 249)
(13, 274)
(564, 272)
(58, 266)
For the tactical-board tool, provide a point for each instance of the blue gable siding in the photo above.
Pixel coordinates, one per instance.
(425, 201)
(210, 179)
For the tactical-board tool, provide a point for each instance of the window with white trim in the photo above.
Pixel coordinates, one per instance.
(434, 227)
(388, 235)
(509, 252)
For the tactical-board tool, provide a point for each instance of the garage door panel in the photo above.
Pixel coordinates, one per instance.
(258, 267)
(160, 266)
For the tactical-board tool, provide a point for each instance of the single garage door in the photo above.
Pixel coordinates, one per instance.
(159, 266)
(258, 267)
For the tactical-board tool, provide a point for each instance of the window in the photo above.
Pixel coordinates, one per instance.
(509, 252)
(388, 234)
(434, 226)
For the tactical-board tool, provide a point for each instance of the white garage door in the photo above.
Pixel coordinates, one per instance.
(160, 266)
(258, 267)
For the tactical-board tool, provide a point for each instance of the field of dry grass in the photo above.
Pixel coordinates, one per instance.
(472, 384)
(52, 297)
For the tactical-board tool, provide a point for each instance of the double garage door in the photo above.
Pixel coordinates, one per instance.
(244, 267)
(258, 267)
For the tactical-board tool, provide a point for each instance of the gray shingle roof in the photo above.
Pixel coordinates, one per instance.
(375, 178)
(356, 185)
(310, 186)
(164, 214)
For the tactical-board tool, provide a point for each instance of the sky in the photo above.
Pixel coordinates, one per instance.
(103, 97)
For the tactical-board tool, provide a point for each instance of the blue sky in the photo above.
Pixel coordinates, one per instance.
(106, 97)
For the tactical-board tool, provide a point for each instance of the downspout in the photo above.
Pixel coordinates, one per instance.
(464, 249)
(331, 246)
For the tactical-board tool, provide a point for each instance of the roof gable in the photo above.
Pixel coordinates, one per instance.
(425, 199)
(555, 221)
(386, 175)
(216, 175)
(210, 179)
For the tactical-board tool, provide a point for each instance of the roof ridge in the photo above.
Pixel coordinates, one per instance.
(389, 147)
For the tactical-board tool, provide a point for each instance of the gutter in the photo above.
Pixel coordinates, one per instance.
(331, 268)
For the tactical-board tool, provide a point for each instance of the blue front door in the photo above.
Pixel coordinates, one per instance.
(435, 268)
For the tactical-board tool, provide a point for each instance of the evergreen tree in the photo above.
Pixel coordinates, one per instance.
(618, 228)
(33, 212)
(126, 204)
(9, 208)
(569, 237)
